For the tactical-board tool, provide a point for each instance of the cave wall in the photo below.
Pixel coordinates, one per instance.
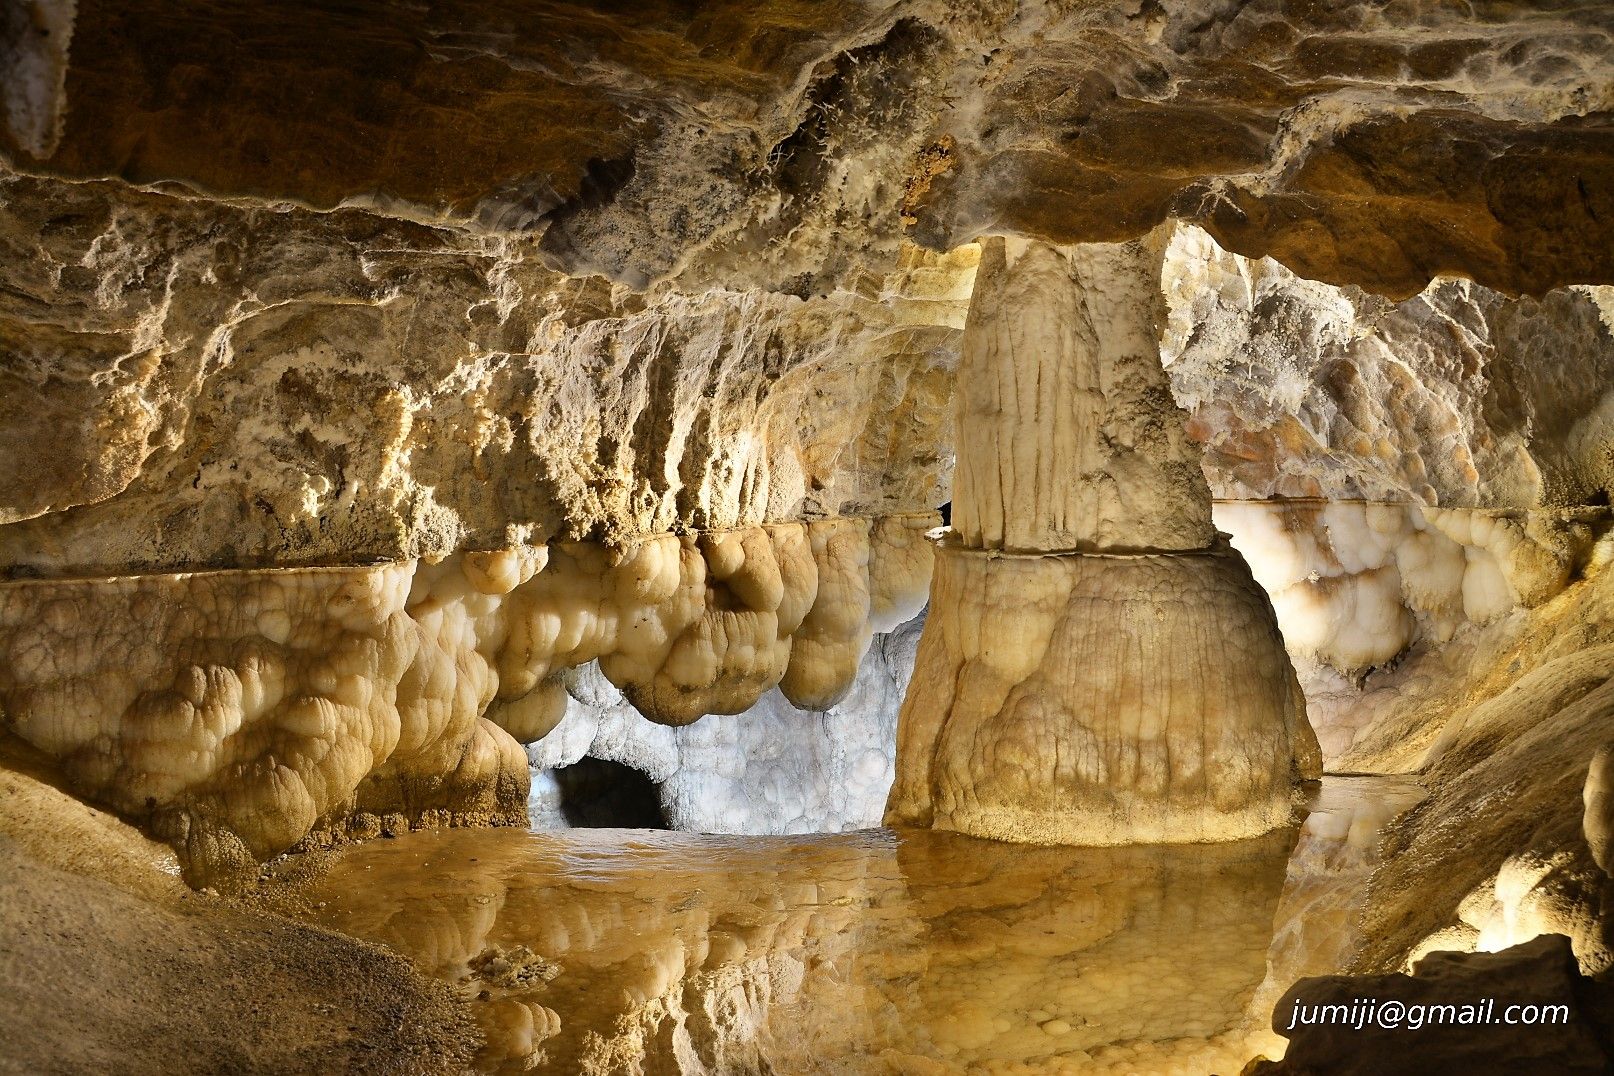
(775, 769)
(205, 386)
(368, 368)
(1457, 397)
(236, 712)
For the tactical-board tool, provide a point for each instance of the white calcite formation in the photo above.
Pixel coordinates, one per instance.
(237, 712)
(1354, 584)
(1096, 667)
(774, 769)
(1368, 594)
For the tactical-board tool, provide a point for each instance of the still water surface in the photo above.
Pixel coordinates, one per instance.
(595, 951)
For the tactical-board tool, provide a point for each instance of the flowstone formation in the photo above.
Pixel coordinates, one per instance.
(1404, 477)
(777, 768)
(1097, 667)
(236, 713)
(402, 397)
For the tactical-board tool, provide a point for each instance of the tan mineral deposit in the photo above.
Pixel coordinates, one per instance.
(864, 538)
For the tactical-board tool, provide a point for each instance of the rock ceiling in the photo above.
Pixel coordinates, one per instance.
(785, 143)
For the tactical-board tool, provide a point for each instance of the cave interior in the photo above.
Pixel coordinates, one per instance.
(707, 537)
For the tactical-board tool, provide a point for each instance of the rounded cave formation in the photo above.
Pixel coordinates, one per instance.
(596, 538)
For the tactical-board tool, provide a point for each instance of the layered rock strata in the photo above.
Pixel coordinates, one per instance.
(234, 713)
(1098, 667)
(1377, 144)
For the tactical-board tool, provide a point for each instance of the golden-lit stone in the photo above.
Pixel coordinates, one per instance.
(1097, 668)
(1100, 700)
(237, 712)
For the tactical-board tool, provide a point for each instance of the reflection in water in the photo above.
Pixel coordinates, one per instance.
(873, 952)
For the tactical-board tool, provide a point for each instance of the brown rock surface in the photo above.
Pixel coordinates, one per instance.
(1523, 1010)
(1376, 143)
(108, 964)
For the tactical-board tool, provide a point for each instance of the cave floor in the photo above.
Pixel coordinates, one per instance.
(876, 951)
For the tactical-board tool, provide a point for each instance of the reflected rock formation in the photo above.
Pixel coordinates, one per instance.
(874, 952)
(403, 400)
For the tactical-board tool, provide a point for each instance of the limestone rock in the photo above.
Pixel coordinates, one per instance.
(1087, 631)
(1507, 725)
(1068, 437)
(34, 39)
(1356, 584)
(194, 385)
(901, 560)
(825, 653)
(1100, 700)
(233, 713)
(99, 979)
(236, 713)
(1458, 397)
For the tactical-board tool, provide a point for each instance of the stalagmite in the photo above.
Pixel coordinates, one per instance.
(1098, 667)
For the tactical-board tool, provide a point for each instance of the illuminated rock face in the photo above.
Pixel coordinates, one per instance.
(1100, 700)
(193, 385)
(1508, 728)
(1068, 437)
(1362, 590)
(232, 712)
(237, 712)
(1457, 397)
(1401, 475)
(1096, 668)
(381, 378)
(775, 769)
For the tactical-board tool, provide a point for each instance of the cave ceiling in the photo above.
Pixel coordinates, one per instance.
(788, 144)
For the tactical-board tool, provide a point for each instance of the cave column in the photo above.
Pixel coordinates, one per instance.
(1098, 666)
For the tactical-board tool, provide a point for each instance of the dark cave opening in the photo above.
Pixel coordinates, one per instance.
(596, 793)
